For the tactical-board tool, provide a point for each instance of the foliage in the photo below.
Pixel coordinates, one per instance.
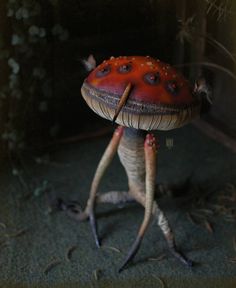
(28, 52)
(188, 32)
(220, 8)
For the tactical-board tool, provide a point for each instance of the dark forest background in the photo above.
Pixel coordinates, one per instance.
(42, 43)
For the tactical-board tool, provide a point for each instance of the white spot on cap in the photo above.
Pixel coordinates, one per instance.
(112, 57)
(149, 63)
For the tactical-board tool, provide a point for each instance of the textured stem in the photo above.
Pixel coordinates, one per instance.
(150, 167)
(131, 153)
(132, 156)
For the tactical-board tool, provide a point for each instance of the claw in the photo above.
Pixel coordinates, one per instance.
(93, 224)
(181, 257)
(132, 252)
(72, 209)
(72, 206)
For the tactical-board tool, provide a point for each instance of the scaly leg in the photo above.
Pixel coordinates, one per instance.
(163, 223)
(114, 197)
(150, 166)
(74, 210)
(169, 236)
(102, 166)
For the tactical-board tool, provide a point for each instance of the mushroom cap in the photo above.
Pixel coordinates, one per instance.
(160, 97)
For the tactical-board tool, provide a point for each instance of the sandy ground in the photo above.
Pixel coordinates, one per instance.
(42, 247)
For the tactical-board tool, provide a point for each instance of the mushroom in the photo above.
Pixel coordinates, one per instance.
(140, 94)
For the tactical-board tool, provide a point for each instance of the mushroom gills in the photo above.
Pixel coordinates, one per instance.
(136, 115)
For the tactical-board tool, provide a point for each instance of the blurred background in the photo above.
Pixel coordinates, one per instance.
(42, 43)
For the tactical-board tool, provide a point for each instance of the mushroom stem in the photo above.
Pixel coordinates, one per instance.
(122, 101)
(150, 167)
(140, 164)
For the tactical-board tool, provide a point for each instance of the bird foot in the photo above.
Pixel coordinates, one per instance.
(72, 209)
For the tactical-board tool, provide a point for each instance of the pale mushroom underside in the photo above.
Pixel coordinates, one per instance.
(139, 115)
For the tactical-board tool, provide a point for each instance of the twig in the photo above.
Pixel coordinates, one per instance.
(3, 225)
(51, 265)
(198, 215)
(96, 273)
(229, 218)
(160, 280)
(230, 188)
(4, 244)
(220, 46)
(191, 218)
(17, 233)
(160, 258)
(204, 211)
(215, 134)
(232, 260)
(209, 65)
(208, 226)
(69, 252)
(83, 136)
(219, 9)
(216, 44)
(112, 248)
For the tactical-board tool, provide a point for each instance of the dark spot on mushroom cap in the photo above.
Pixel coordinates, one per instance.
(103, 71)
(158, 99)
(152, 78)
(172, 87)
(125, 68)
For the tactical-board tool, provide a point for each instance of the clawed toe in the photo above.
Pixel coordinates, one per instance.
(93, 224)
(181, 257)
(72, 209)
(132, 252)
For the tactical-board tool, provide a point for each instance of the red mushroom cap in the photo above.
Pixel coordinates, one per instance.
(160, 97)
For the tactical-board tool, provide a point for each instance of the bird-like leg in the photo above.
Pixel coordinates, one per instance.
(102, 166)
(150, 167)
(163, 223)
(114, 197)
(169, 236)
(74, 210)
